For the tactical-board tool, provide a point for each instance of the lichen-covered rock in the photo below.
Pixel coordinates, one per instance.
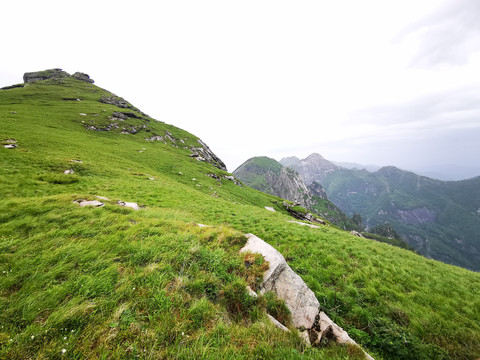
(115, 100)
(203, 153)
(44, 75)
(83, 77)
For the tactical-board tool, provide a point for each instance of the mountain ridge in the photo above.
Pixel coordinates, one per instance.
(424, 211)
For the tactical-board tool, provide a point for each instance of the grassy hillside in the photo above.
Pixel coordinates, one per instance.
(116, 283)
(252, 172)
(439, 219)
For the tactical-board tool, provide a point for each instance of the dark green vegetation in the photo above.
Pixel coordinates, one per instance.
(440, 219)
(116, 283)
(268, 175)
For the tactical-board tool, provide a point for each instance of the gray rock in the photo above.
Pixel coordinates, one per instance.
(68, 172)
(132, 205)
(285, 283)
(115, 100)
(155, 138)
(10, 146)
(94, 203)
(306, 216)
(328, 329)
(44, 75)
(269, 208)
(314, 168)
(203, 153)
(83, 77)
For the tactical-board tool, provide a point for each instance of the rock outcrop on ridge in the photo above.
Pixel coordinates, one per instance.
(313, 324)
(54, 74)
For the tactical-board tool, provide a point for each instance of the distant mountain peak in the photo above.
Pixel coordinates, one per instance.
(314, 156)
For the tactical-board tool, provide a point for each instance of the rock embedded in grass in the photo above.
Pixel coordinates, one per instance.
(284, 282)
(94, 203)
(132, 205)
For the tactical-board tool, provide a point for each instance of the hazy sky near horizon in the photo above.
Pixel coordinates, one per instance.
(382, 82)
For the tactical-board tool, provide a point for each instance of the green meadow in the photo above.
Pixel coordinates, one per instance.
(115, 283)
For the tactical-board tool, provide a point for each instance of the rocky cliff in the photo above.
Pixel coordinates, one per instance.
(268, 175)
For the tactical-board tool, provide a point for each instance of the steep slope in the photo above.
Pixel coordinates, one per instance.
(439, 219)
(114, 282)
(268, 175)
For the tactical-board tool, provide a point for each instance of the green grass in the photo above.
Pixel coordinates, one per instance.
(116, 283)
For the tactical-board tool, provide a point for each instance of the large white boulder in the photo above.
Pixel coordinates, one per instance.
(285, 283)
(313, 324)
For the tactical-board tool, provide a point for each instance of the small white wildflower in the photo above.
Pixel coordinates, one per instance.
(65, 338)
(73, 331)
(10, 340)
(133, 288)
(182, 333)
(64, 351)
(32, 337)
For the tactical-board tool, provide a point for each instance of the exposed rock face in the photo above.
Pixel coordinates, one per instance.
(313, 324)
(313, 168)
(44, 75)
(54, 74)
(83, 77)
(317, 190)
(115, 100)
(268, 175)
(203, 153)
(280, 181)
(306, 216)
(288, 185)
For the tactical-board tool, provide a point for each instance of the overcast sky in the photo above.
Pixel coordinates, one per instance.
(371, 81)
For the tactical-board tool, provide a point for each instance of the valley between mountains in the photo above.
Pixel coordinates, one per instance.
(439, 219)
(120, 238)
